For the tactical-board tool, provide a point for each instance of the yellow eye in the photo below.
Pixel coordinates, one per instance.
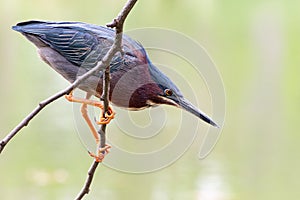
(168, 92)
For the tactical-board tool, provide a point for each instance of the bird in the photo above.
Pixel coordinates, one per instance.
(73, 48)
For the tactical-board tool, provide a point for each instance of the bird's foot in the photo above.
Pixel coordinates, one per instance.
(104, 119)
(101, 153)
(109, 115)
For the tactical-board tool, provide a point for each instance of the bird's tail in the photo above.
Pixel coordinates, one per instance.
(31, 27)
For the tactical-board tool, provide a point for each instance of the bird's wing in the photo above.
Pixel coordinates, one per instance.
(83, 44)
(74, 41)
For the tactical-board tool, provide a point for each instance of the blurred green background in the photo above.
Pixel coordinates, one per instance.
(255, 45)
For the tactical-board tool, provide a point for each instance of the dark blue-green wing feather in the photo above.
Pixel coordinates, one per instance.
(77, 42)
(84, 44)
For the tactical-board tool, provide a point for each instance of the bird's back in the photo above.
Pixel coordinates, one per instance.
(80, 43)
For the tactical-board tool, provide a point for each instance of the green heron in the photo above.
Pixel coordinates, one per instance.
(73, 48)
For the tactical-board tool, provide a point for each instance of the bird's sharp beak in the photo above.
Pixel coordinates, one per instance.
(188, 106)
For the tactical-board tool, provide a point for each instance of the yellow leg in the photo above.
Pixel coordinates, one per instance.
(85, 116)
(105, 120)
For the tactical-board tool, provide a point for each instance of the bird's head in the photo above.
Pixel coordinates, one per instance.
(171, 95)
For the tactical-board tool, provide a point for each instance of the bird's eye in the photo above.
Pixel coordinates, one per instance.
(168, 92)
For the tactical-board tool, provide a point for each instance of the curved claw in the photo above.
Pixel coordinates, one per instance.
(69, 96)
(109, 115)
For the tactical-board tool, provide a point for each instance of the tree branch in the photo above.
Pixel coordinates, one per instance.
(118, 24)
(101, 65)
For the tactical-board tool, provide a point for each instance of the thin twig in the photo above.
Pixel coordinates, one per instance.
(118, 23)
(105, 99)
(85, 190)
(31, 115)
